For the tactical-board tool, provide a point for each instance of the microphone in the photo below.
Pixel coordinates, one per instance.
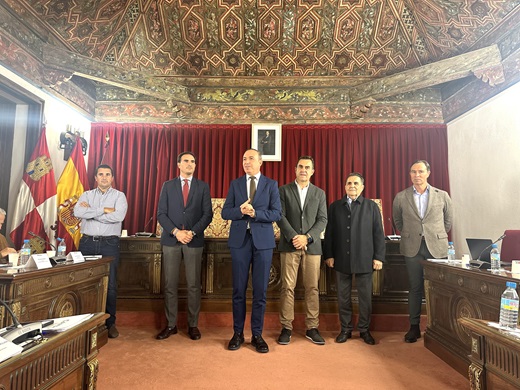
(393, 236)
(145, 233)
(41, 238)
(20, 332)
(489, 246)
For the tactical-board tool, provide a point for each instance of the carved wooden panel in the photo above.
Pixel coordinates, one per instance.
(64, 290)
(64, 361)
(453, 293)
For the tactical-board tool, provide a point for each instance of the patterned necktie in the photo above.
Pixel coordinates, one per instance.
(185, 191)
(252, 188)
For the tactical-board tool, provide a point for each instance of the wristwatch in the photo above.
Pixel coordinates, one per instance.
(310, 240)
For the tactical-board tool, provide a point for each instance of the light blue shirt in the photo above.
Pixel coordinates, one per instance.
(421, 200)
(94, 220)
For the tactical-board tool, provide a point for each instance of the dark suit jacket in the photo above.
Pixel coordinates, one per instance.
(267, 208)
(435, 225)
(311, 220)
(172, 214)
(362, 227)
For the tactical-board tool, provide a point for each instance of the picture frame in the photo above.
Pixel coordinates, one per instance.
(267, 139)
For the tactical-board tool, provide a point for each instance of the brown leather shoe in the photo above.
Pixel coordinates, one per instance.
(166, 332)
(194, 333)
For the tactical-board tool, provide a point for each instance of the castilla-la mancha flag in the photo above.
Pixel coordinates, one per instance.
(73, 182)
(35, 210)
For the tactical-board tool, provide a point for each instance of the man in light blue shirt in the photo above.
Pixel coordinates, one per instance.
(102, 211)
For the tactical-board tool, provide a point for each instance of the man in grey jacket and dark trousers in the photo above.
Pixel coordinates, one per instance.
(423, 214)
(304, 217)
(184, 212)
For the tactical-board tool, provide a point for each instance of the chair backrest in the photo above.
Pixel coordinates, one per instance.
(510, 249)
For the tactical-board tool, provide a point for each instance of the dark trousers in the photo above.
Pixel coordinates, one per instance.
(105, 247)
(416, 281)
(259, 261)
(364, 289)
(172, 257)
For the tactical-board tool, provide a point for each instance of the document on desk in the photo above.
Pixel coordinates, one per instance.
(8, 349)
(65, 323)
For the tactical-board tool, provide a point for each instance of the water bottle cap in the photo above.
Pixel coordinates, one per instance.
(450, 243)
(494, 245)
(25, 241)
(511, 284)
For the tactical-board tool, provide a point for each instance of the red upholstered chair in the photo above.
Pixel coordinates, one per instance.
(510, 249)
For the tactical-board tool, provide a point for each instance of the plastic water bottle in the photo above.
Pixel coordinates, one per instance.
(25, 252)
(509, 307)
(451, 253)
(62, 247)
(494, 255)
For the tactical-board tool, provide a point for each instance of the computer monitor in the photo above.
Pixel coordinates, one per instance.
(479, 247)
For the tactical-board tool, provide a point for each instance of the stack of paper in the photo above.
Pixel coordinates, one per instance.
(8, 349)
(65, 323)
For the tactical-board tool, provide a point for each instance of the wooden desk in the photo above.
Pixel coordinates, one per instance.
(140, 278)
(61, 291)
(495, 357)
(66, 360)
(452, 293)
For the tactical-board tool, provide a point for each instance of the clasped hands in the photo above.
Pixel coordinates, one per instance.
(184, 236)
(376, 264)
(300, 242)
(246, 208)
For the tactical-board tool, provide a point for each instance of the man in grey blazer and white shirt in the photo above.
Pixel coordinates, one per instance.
(304, 217)
(423, 214)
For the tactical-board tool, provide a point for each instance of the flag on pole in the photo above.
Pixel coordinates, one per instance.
(72, 183)
(35, 210)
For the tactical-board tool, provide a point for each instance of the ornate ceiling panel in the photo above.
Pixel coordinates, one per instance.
(270, 37)
(256, 52)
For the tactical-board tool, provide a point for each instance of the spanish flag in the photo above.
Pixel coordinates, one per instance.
(72, 183)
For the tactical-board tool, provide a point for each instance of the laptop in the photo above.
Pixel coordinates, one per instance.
(479, 247)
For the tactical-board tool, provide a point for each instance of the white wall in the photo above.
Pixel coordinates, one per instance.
(484, 168)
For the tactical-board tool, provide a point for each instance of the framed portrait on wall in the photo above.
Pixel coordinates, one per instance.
(267, 138)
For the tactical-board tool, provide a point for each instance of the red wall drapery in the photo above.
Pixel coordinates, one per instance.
(144, 156)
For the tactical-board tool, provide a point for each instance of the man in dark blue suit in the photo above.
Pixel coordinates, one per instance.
(184, 212)
(252, 204)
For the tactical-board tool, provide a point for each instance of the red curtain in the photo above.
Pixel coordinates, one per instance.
(144, 156)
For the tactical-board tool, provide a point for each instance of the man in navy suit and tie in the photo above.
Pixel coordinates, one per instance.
(184, 212)
(252, 204)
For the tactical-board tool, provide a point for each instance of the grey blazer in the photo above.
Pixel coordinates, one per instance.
(434, 226)
(312, 219)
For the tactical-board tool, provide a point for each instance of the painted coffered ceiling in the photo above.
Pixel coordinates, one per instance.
(265, 60)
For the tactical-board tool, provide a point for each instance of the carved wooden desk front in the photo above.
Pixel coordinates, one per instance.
(67, 360)
(453, 292)
(64, 290)
(495, 357)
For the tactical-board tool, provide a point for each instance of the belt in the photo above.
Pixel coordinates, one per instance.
(99, 238)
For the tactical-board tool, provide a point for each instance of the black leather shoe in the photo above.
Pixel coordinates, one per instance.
(413, 334)
(236, 341)
(166, 332)
(367, 337)
(259, 343)
(194, 333)
(343, 336)
(113, 332)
